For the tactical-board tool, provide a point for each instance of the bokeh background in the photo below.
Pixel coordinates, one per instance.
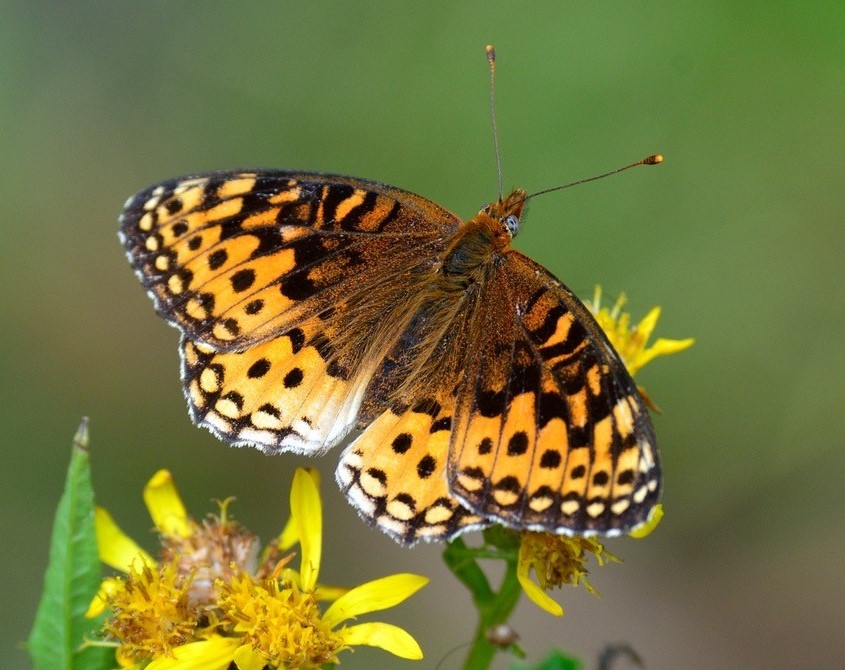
(739, 236)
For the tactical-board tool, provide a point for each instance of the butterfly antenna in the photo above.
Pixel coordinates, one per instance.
(654, 159)
(491, 61)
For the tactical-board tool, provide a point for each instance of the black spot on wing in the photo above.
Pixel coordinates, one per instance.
(297, 286)
(550, 459)
(441, 424)
(518, 444)
(490, 403)
(217, 258)
(426, 466)
(402, 442)
(258, 369)
(297, 339)
(254, 307)
(242, 280)
(293, 378)
(550, 406)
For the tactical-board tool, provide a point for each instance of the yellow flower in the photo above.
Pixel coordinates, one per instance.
(201, 552)
(210, 602)
(278, 619)
(556, 560)
(630, 341)
(150, 613)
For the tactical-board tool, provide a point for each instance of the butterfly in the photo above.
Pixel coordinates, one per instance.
(313, 306)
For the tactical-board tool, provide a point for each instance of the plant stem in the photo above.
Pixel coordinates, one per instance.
(494, 612)
(494, 607)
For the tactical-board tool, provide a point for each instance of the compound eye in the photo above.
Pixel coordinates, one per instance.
(512, 224)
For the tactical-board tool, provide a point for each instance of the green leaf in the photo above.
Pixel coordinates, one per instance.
(72, 577)
(554, 661)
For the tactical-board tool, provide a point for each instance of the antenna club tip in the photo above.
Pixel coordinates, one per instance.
(491, 52)
(653, 159)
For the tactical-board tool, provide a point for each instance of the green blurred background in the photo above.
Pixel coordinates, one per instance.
(739, 236)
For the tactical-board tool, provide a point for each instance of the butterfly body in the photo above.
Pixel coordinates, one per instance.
(311, 305)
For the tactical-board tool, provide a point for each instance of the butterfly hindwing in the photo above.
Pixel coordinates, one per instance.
(394, 474)
(278, 395)
(550, 432)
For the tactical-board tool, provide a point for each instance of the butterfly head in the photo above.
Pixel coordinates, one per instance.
(503, 216)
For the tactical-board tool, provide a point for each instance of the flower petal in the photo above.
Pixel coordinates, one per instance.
(385, 636)
(373, 596)
(535, 593)
(662, 347)
(116, 548)
(645, 327)
(247, 658)
(327, 592)
(165, 505)
(288, 538)
(213, 654)
(101, 600)
(306, 510)
(645, 529)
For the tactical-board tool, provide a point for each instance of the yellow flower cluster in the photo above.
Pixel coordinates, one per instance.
(150, 612)
(211, 602)
(556, 560)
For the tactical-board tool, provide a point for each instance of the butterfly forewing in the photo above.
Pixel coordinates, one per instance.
(234, 258)
(550, 432)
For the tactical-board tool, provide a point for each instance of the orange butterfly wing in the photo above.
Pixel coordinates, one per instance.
(279, 282)
(310, 304)
(527, 414)
(550, 432)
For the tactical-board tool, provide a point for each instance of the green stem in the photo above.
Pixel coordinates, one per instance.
(495, 612)
(494, 607)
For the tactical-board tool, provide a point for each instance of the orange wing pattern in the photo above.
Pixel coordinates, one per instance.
(395, 473)
(313, 304)
(234, 258)
(527, 418)
(550, 432)
(278, 282)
